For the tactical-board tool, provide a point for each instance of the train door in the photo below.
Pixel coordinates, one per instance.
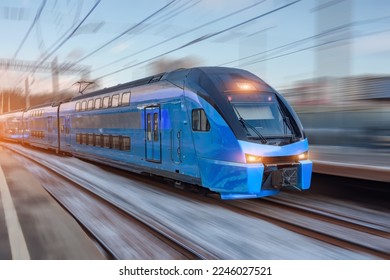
(67, 130)
(152, 117)
(64, 126)
(50, 129)
(176, 133)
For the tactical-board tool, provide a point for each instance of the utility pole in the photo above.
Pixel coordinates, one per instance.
(9, 102)
(52, 67)
(54, 74)
(27, 92)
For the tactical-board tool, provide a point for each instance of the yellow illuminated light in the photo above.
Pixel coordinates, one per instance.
(252, 158)
(245, 86)
(303, 156)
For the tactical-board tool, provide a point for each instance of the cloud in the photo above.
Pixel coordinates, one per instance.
(120, 47)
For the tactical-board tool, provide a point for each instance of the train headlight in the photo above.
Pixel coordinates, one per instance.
(303, 156)
(253, 159)
(245, 86)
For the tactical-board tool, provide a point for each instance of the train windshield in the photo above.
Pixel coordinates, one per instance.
(263, 116)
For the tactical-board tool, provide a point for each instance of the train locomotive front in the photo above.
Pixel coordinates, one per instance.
(248, 141)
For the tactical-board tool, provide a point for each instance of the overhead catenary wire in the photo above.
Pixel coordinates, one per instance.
(37, 16)
(70, 35)
(125, 32)
(64, 34)
(198, 40)
(180, 35)
(48, 55)
(329, 42)
(287, 47)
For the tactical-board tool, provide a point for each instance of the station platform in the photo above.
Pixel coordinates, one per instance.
(32, 224)
(353, 162)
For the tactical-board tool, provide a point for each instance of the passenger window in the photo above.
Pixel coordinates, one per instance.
(84, 139)
(125, 99)
(200, 121)
(78, 107)
(90, 104)
(106, 102)
(115, 142)
(155, 127)
(98, 142)
(84, 106)
(149, 127)
(78, 138)
(115, 100)
(90, 140)
(106, 141)
(125, 144)
(98, 103)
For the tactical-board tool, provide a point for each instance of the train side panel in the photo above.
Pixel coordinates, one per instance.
(11, 128)
(41, 127)
(150, 134)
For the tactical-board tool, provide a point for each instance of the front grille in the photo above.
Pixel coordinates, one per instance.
(279, 160)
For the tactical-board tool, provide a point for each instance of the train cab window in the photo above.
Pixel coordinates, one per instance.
(125, 144)
(98, 103)
(125, 99)
(106, 102)
(115, 100)
(84, 106)
(90, 104)
(200, 121)
(78, 107)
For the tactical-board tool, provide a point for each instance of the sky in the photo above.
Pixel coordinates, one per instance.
(116, 41)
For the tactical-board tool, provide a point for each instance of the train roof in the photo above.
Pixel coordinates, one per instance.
(139, 82)
(201, 75)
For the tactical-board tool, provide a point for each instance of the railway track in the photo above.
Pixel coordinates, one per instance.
(351, 232)
(358, 231)
(322, 224)
(120, 233)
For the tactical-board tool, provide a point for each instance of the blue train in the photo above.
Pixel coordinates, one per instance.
(223, 129)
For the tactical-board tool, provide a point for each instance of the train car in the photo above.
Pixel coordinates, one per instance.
(222, 129)
(11, 126)
(41, 126)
